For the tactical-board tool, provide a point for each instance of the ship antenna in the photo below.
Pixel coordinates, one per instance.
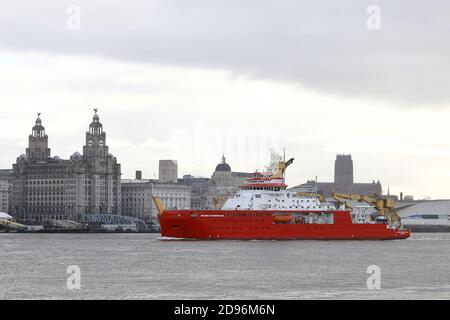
(316, 191)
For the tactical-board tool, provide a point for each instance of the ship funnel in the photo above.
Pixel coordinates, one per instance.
(159, 205)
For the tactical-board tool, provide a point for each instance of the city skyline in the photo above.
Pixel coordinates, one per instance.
(129, 174)
(193, 92)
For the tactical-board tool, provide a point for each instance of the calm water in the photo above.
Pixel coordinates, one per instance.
(141, 266)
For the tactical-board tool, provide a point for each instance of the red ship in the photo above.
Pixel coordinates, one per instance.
(265, 210)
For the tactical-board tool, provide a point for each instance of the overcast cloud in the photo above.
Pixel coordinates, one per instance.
(191, 80)
(323, 45)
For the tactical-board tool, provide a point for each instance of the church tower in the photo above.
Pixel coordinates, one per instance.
(343, 173)
(95, 140)
(38, 143)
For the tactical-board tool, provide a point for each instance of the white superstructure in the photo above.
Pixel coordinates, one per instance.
(274, 200)
(267, 191)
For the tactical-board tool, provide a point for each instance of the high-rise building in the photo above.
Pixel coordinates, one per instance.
(46, 187)
(168, 171)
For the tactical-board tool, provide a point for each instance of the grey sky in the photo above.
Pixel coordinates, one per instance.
(324, 45)
(190, 80)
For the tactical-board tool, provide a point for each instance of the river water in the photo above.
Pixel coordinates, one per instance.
(143, 266)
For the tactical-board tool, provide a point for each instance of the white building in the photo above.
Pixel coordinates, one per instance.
(137, 197)
(416, 214)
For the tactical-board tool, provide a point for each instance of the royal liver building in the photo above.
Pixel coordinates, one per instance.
(46, 187)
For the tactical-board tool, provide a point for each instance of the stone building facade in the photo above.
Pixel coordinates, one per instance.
(168, 171)
(223, 184)
(46, 187)
(137, 196)
(5, 189)
(199, 193)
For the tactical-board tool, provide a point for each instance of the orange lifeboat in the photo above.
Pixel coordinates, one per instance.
(282, 218)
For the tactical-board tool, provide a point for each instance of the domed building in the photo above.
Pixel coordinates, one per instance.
(223, 166)
(223, 184)
(46, 187)
(76, 156)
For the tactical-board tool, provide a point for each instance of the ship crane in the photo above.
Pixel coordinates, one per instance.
(281, 169)
(384, 206)
(320, 196)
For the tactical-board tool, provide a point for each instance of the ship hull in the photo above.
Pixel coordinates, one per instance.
(253, 225)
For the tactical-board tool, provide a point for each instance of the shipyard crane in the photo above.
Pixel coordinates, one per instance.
(384, 206)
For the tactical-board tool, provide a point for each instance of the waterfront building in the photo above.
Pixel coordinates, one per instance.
(199, 193)
(343, 181)
(224, 183)
(46, 187)
(137, 197)
(5, 189)
(425, 215)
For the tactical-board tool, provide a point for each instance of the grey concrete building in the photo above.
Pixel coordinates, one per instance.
(137, 197)
(5, 189)
(199, 193)
(168, 171)
(46, 187)
(343, 181)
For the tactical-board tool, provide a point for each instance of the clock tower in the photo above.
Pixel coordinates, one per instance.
(95, 140)
(38, 143)
(48, 187)
(102, 179)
